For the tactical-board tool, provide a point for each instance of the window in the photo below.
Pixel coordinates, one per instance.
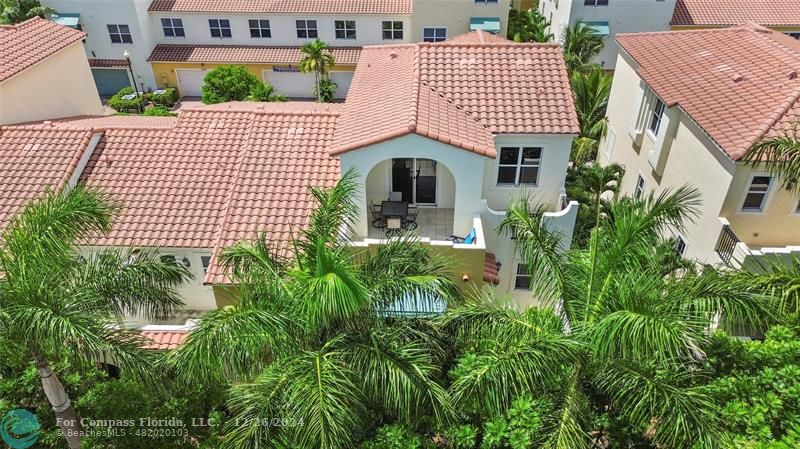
(519, 165)
(173, 27)
(655, 120)
(434, 34)
(259, 28)
(120, 34)
(169, 260)
(485, 1)
(522, 280)
(306, 29)
(595, 2)
(345, 29)
(756, 196)
(220, 28)
(392, 30)
(206, 261)
(638, 192)
(680, 245)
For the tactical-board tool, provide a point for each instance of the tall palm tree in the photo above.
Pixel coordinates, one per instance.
(780, 155)
(613, 325)
(316, 338)
(581, 43)
(528, 26)
(16, 11)
(55, 304)
(590, 90)
(587, 184)
(317, 58)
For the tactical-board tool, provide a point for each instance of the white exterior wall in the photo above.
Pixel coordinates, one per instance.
(455, 15)
(97, 14)
(57, 87)
(623, 16)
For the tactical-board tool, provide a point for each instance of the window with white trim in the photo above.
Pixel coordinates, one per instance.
(756, 197)
(519, 166)
(595, 2)
(173, 27)
(434, 34)
(345, 29)
(206, 261)
(120, 34)
(220, 28)
(522, 278)
(680, 246)
(392, 30)
(656, 116)
(259, 28)
(638, 192)
(306, 29)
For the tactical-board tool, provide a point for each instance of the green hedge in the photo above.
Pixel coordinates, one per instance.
(118, 104)
(168, 98)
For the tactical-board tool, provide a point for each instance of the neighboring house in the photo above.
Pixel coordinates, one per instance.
(608, 18)
(44, 73)
(685, 106)
(184, 38)
(779, 15)
(460, 128)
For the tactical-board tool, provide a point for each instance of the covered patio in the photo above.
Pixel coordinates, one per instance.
(432, 222)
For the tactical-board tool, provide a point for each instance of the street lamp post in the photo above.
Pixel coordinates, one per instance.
(127, 56)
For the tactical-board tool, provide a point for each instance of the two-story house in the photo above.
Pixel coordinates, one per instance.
(175, 42)
(779, 15)
(608, 18)
(685, 106)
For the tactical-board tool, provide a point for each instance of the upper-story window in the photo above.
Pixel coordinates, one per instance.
(120, 34)
(345, 29)
(434, 34)
(519, 165)
(220, 28)
(522, 278)
(657, 115)
(306, 29)
(485, 1)
(680, 246)
(638, 191)
(392, 29)
(756, 197)
(205, 261)
(259, 28)
(173, 27)
(595, 2)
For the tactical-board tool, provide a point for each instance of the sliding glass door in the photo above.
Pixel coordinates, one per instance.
(415, 179)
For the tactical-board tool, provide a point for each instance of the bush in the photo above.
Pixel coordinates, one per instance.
(159, 111)
(327, 89)
(228, 83)
(394, 436)
(168, 98)
(134, 104)
(265, 92)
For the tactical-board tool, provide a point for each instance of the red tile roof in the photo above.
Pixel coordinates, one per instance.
(164, 340)
(107, 63)
(30, 42)
(32, 160)
(403, 7)
(736, 93)
(490, 269)
(456, 93)
(736, 12)
(244, 54)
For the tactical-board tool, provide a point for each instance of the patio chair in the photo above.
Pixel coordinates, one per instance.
(395, 196)
(410, 222)
(468, 240)
(393, 226)
(377, 220)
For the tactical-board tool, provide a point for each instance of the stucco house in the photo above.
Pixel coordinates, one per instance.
(44, 73)
(685, 106)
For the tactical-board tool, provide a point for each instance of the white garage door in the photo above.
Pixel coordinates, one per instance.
(191, 81)
(291, 84)
(342, 80)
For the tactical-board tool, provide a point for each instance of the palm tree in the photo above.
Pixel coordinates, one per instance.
(614, 329)
(590, 90)
(780, 155)
(581, 43)
(317, 58)
(528, 26)
(55, 304)
(16, 11)
(587, 184)
(315, 338)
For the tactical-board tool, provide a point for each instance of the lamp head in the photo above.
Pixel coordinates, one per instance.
(126, 54)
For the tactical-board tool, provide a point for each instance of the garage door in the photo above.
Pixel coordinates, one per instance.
(190, 81)
(342, 80)
(291, 84)
(110, 81)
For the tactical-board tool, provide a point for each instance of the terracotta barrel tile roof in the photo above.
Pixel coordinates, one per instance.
(457, 93)
(107, 63)
(736, 12)
(243, 54)
(27, 43)
(164, 340)
(736, 93)
(403, 7)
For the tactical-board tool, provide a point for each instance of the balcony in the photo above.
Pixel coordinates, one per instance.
(737, 254)
(726, 244)
(433, 223)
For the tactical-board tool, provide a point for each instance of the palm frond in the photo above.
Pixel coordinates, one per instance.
(568, 430)
(780, 156)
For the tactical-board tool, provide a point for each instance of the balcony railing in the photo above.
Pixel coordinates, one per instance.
(726, 244)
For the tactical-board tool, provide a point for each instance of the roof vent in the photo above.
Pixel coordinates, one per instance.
(737, 78)
(295, 131)
(393, 55)
(793, 75)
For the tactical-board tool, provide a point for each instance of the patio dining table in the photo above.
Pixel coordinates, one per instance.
(394, 209)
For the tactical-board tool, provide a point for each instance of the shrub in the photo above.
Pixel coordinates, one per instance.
(159, 111)
(117, 103)
(228, 83)
(265, 92)
(327, 89)
(168, 98)
(394, 436)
